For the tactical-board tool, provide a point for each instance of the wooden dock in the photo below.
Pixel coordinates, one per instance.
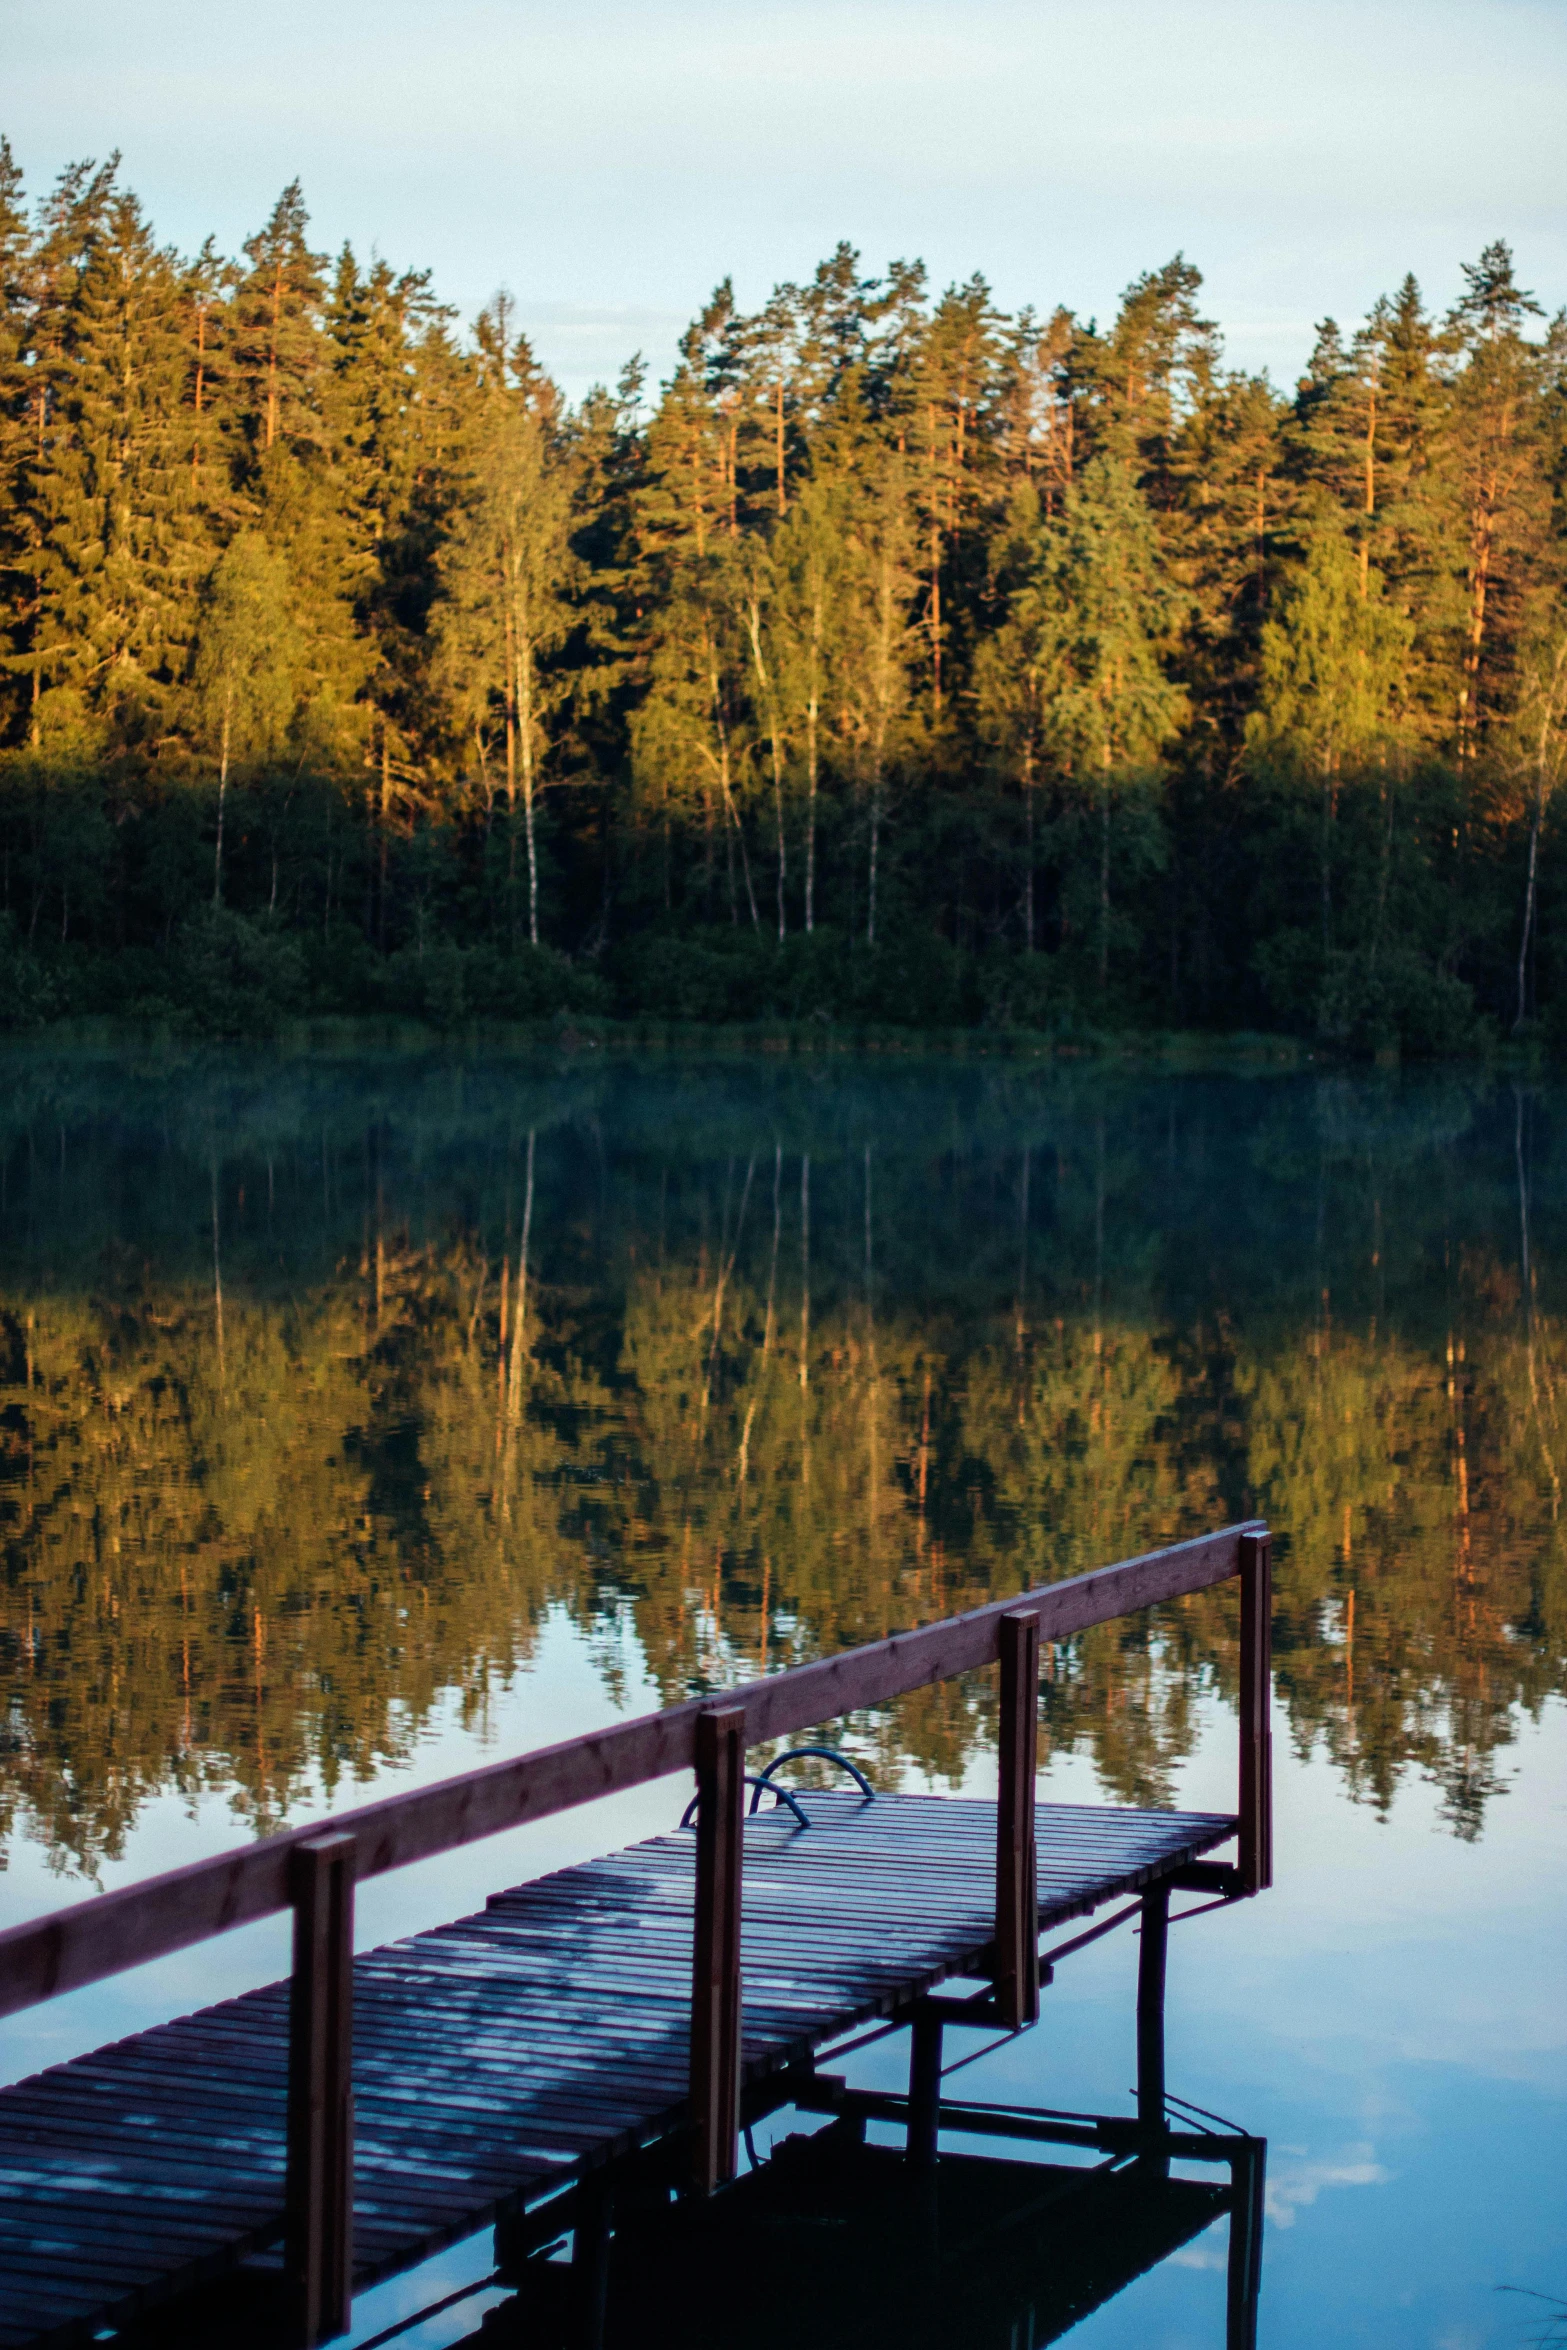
(355, 2118)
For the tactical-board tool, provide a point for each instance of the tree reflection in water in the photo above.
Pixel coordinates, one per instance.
(320, 1382)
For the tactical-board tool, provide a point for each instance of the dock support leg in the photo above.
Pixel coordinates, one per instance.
(715, 1979)
(924, 2089)
(320, 2182)
(590, 2267)
(1248, 2171)
(1017, 1869)
(1256, 1793)
(1150, 2007)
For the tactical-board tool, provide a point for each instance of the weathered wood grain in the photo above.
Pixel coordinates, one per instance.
(93, 1939)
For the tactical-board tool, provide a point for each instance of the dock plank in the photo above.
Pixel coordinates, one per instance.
(505, 2052)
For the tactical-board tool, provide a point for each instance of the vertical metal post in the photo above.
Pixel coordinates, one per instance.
(1256, 1793)
(715, 1975)
(1248, 2173)
(1150, 2007)
(319, 2196)
(1017, 1889)
(924, 2089)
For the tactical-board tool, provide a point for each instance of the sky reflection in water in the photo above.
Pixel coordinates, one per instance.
(361, 1419)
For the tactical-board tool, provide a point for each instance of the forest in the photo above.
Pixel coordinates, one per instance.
(898, 663)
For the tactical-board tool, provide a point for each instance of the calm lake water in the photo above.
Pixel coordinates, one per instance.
(363, 1419)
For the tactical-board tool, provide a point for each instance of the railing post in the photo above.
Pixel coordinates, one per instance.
(1256, 1794)
(715, 1975)
(320, 2183)
(1017, 1889)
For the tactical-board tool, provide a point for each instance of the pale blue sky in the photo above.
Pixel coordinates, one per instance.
(609, 162)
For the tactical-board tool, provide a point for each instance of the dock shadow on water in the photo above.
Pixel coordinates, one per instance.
(340, 1400)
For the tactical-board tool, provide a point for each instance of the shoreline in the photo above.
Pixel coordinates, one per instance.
(333, 1035)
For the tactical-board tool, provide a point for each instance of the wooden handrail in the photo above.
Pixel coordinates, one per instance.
(102, 1936)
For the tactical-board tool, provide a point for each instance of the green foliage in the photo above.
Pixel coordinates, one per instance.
(1333, 663)
(897, 662)
(29, 995)
(1394, 1002)
(222, 975)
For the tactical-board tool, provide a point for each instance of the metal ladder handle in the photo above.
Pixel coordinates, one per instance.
(762, 1786)
(827, 1754)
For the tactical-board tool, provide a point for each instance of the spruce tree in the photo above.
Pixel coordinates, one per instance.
(120, 548)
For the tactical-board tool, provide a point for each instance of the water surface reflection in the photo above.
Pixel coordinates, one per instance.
(354, 1415)
(320, 1383)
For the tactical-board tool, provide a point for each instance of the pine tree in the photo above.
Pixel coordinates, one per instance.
(1229, 504)
(877, 642)
(1034, 414)
(1014, 671)
(690, 585)
(607, 455)
(393, 408)
(507, 574)
(207, 283)
(1368, 430)
(950, 393)
(1150, 372)
(809, 565)
(1534, 759)
(292, 475)
(1497, 465)
(281, 354)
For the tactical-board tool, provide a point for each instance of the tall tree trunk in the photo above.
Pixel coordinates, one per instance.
(1542, 792)
(935, 620)
(1028, 831)
(1329, 801)
(529, 764)
(1528, 916)
(732, 827)
(272, 402)
(511, 777)
(1489, 498)
(1104, 871)
(1370, 505)
(385, 830)
(533, 864)
(1384, 877)
(812, 764)
(870, 919)
(223, 785)
(753, 621)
